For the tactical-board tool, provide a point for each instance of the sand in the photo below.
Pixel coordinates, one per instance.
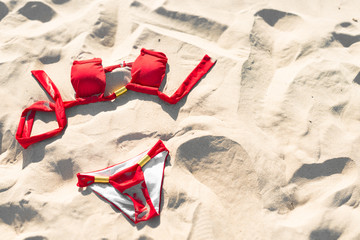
(264, 147)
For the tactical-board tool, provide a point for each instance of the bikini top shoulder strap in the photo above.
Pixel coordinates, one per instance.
(27, 117)
(200, 70)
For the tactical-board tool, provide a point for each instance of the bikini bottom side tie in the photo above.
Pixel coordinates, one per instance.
(133, 186)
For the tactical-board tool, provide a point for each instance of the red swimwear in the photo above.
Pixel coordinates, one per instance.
(89, 80)
(134, 186)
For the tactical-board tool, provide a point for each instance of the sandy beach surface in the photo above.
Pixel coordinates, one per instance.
(265, 146)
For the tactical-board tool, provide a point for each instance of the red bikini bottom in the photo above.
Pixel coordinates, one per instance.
(134, 186)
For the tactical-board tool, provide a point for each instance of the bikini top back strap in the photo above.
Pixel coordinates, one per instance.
(87, 100)
(200, 70)
(27, 117)
(121, 65)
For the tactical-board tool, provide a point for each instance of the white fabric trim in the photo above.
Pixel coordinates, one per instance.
(153, 174)
(121, 201)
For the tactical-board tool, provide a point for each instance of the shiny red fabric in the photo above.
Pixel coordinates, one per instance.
(88, 77)
(122, 181)
(89, 81)
(131, 177)
(149, 68)
(148, 72)
(27, 117)
(125, 175)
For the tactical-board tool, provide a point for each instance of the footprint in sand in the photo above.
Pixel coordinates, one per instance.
(60, 1)
(284, 21)
(318, 170)
(3, 10)
(50, 56)
(37, 11)
(36, 238)
(14, 214)
(324, 234)
(221, 164)
(346, 39)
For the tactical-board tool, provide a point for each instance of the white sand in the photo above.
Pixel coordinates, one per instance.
(266, 146)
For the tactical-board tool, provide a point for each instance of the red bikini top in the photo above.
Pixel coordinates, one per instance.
(89, 80)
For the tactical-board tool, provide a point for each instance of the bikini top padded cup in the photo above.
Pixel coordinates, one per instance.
(88, 77)
(149, 68)
(148, 72)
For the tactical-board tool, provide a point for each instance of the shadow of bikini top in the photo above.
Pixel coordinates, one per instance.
(89, 81)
